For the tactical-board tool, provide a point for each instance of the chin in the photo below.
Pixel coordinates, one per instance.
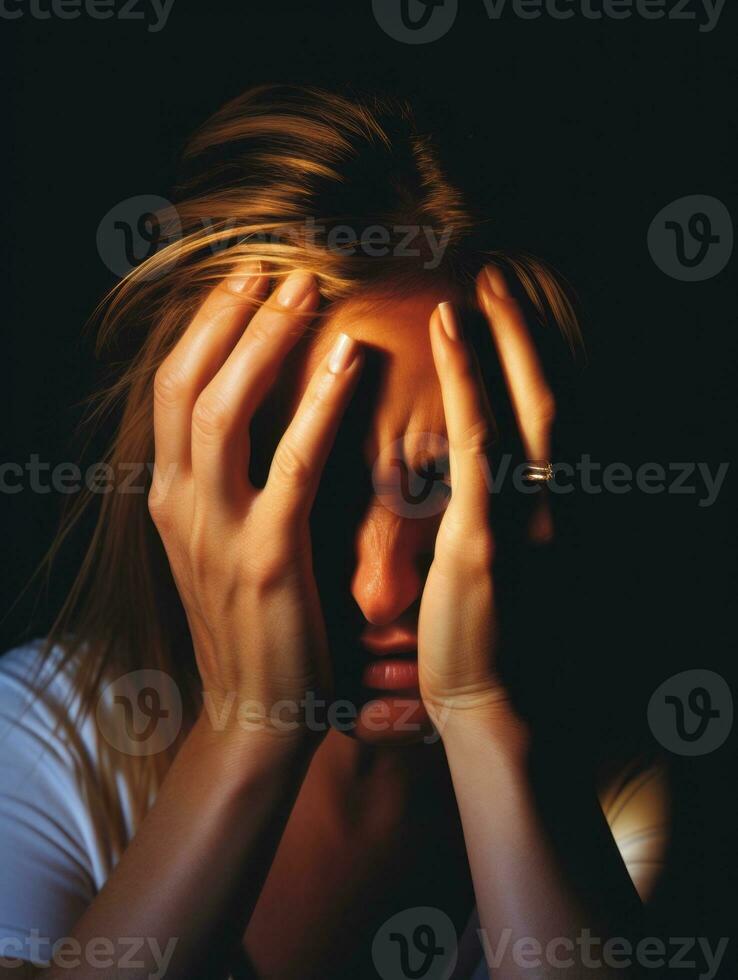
(393, 718)
(385, 692)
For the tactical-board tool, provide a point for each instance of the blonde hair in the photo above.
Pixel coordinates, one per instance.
(261, 178)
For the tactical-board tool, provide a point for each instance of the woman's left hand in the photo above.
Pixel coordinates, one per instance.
(457, 629)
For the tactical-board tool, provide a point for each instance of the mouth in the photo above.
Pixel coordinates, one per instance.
(394, 710)
(392, 657)
(392, 673)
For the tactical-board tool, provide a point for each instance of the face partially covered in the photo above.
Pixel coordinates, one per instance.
(381, 499)
(336, 489)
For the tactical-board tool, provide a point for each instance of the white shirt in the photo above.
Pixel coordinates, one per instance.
(55, 851)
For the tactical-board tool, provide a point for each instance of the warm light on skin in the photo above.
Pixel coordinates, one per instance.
(409, 395)
(391, 552)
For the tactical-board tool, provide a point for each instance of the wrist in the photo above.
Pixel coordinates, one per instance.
(492, 724)
(239, 754)
(286, 723)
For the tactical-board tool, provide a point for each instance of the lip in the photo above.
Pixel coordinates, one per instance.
(391, 674)
(387, 641)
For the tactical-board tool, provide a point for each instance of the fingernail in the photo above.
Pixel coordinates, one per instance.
(450, 321)
(343, 354)
(497, 282)
(246, 277)
(296, 287)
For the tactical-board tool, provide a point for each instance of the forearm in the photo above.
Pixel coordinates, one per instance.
(547, 874)
(189, 880)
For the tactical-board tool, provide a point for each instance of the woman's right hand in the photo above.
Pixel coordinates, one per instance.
(241, 556)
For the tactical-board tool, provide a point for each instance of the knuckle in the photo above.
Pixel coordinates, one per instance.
(271, 567)
(268, 572)
(160, 510)
(291, 466)
(258, 334)
(472, 548)
(478, 438)
(210, 416)
(155, 503)
(170, 383)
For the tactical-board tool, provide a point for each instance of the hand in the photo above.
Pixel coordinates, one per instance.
(457, 630)
(241, 556)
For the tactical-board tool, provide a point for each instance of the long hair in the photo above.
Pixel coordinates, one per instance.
(277, 175)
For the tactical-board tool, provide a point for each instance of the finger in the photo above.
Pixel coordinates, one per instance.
(223, 410)
(299, 458)
(469, 425)
(531, 398)
(530, 395)
(199, 353)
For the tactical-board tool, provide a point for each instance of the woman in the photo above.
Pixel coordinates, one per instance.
(273, 714)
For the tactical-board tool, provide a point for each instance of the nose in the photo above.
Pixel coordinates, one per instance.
(389, 573)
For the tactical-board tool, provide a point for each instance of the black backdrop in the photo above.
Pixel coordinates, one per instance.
(570, 136)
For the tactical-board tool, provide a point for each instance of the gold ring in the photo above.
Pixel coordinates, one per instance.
(538, 472)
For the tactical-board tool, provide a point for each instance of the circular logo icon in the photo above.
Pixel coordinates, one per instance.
(414, 482)
(415, 21)
(692, 239)
(692, 713)
(134, 231)
(416, 944)
(140, 713)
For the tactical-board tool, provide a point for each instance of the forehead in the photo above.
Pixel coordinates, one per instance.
(399, 373)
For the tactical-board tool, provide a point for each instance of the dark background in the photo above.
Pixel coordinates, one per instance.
(569, 137)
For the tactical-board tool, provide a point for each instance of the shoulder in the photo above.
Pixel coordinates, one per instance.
(36, 690)
(45, 748)
(636, 802)
(55, 767)
(40, 689)
(50, 853)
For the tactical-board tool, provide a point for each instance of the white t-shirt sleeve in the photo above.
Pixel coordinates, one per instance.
(50, 855)
(636, 805)
(638, 810)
